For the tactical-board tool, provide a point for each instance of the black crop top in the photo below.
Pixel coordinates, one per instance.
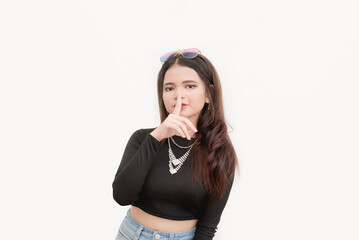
(143, 180)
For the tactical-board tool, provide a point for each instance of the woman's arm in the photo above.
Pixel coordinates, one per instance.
(139, 153)
(207, 224)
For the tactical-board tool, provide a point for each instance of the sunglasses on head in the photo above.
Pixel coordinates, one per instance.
(187, 53)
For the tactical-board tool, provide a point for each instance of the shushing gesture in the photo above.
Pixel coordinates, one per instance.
(174, 124)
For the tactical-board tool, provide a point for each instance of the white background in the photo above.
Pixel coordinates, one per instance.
(79, 77)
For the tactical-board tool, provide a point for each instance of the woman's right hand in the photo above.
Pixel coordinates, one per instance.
(174, 124)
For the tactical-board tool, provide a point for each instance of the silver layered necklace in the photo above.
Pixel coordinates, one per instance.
(174, 163)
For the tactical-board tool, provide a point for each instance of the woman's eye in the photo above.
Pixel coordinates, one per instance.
(168, 89)
(191, 86)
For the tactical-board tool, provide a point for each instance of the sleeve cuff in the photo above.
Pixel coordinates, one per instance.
(153, 139)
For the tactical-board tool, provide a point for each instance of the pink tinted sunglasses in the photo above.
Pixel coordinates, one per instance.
(187, 53)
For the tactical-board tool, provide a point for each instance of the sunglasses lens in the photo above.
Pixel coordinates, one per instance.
(190, 53)
(167, 56)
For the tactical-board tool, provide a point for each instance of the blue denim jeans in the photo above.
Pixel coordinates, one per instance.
(130, 229)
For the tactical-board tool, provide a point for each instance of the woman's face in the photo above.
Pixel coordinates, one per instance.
(186, 82)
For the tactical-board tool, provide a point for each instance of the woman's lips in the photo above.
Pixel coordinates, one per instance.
(182, 106)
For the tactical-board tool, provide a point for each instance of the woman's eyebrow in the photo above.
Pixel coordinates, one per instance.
(189, 81)
(186, 81)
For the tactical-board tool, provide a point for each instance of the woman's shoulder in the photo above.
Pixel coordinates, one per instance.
(139, 135)
(142, 132)
(145, 130)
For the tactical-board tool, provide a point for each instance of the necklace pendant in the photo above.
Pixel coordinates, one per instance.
(176, 162)
(173, 171)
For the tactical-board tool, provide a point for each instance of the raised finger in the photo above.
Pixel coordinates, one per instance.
(178, 106)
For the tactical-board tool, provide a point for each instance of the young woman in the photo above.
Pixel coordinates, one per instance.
(178, 176)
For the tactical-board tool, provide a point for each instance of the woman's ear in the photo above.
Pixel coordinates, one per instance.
(207, 99)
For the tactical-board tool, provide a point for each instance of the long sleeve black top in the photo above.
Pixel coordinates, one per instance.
(143, 180)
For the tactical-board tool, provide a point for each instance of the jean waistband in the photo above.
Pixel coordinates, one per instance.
(133, 222)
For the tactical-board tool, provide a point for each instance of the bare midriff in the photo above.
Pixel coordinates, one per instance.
(161, 224)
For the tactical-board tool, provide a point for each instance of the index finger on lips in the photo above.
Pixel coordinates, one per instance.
(178, 106)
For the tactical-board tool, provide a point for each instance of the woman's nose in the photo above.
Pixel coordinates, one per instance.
(179, 94)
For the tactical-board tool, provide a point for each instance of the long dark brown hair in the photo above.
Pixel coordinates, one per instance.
(215, 157)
